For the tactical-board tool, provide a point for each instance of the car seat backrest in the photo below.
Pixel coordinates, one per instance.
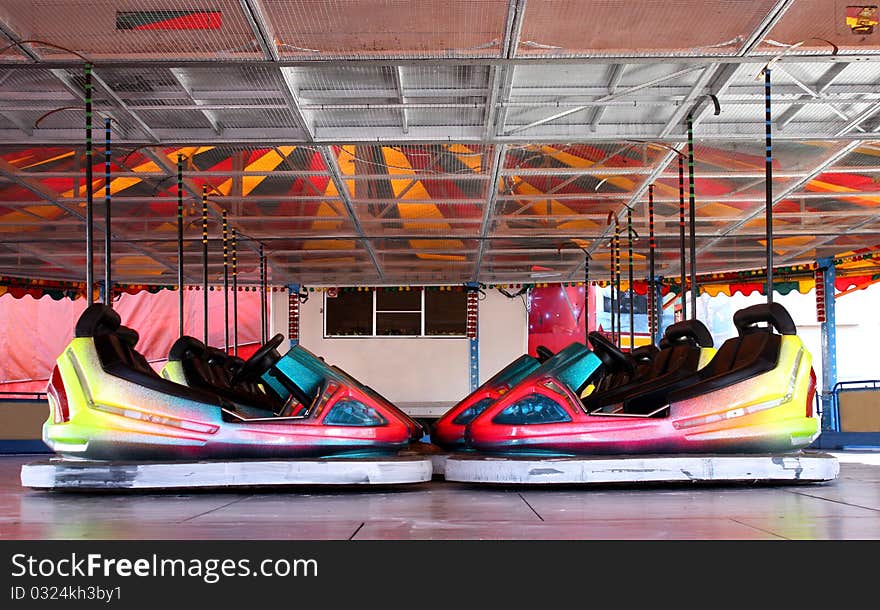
(692, 331)
(675, 362)
(97, 319)
(191, 353)
(753, 352)
(775, 315)
(211, 369)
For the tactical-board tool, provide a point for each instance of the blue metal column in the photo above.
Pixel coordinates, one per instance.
(474, 363)
(473, 333)
(829, 347)
(293, 292)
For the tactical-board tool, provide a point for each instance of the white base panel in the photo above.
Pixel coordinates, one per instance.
(88, 475)
(795, 467)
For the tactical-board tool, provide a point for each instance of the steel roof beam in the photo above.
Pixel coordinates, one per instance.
(501, 77)
(182, 79)
(398, 86)
(342, 189)
(498, 157)
(266, 38)
(757, 60)
(617, 71)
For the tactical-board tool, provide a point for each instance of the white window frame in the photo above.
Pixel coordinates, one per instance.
(421, 335)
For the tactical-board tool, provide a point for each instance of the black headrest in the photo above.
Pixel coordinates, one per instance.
(128, 335)
(186, 347)
(664, 343)
(217, 356)
(97, 319)
(773, 314)
(693, 331)
(235, 363)
(644, 353)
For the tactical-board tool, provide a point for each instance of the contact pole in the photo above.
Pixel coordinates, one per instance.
(768, 170)
(234, 294)
(180, 243)
(681, 237)
(693, 215)
(108, 258)
(226, 281)
(263, 316)
(617, 275)
(586, 298)
(631, 291)
(90, 204)
(205, 256)
(652, 246)
(611, 292)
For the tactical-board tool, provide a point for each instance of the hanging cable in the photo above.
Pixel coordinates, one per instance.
(510, 295)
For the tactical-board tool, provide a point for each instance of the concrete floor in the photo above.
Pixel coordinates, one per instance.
(848, 508)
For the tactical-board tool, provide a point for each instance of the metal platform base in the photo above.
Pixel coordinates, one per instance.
(795, 467)
(438, 460)
(84, 475)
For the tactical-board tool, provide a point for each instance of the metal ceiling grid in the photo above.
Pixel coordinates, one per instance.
(333, 29)
(393, 142)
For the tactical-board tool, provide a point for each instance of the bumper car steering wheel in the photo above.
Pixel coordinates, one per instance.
(544, 354)
(610, 354)
(260, 362)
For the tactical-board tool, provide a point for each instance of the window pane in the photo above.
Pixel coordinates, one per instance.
(350, 313)
(398, 323)
(640, 302)
(398, 300)
(445, 313)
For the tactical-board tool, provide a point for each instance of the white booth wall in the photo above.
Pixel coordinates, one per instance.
(410, 370)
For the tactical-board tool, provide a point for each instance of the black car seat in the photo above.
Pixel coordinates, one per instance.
(670, 367)
(641, 360)
(226, 366)
(114, 345)
(206, 370)
(754, 351)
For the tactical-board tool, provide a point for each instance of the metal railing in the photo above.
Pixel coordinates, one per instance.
(848, 386)
(23, 396)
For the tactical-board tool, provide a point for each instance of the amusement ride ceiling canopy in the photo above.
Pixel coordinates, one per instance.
(391, 142)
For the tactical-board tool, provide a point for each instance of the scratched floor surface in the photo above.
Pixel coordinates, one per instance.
(847, 508)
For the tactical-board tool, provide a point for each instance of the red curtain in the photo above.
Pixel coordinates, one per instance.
(33, 332)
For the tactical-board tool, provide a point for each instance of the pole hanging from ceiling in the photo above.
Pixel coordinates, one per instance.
(226, 281)
(90, 204)
(768, 169)
(108, 258)
(205, 258)
(180, 244)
